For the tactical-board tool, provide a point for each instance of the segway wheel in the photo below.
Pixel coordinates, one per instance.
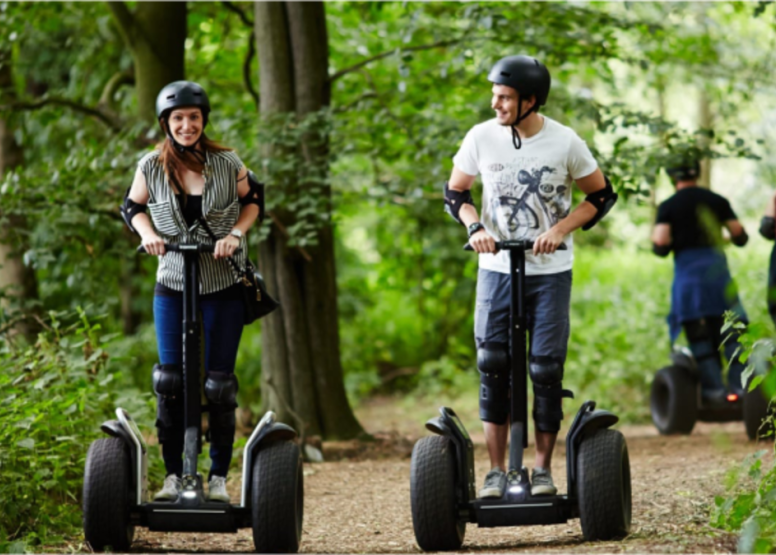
(432, 495)
(107, 495)
(604, 486)
(674, 401)
(277, 498)
(756, 412)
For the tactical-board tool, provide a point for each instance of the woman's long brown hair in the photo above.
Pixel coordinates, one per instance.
(174, 161)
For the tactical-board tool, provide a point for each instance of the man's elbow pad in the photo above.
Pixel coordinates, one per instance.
(741, 239)
(661, 250)
(129, 209)
(768, 228)
(454, 200)
(603, 201)
(255, 194)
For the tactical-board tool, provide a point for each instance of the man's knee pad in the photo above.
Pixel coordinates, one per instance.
(493, 364)
(221, 393)
(547, 375)
(700, 338)
(168, 380)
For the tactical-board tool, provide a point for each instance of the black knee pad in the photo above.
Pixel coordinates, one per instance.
(493, 364)
(221, 393)
(547, 376)
(168, 380)
(701, 339)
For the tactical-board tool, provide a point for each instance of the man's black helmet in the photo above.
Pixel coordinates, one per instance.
(527, 75)
(179, 94)
(684, 170)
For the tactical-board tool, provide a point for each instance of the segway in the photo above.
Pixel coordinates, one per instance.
(442, 481)
(676, 402)
(115, 492)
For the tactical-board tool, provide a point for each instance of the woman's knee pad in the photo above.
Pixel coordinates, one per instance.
(221, 393)
(493, 364)
(168, 386)
(168, 380)
(547, 376)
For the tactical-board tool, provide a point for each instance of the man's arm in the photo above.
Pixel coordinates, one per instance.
(550, 240)
(480, 241)
(738, 234)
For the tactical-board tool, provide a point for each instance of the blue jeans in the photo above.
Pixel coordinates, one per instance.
(223, 325)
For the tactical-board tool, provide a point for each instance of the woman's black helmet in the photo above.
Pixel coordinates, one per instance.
(179, 94)
(527, 75)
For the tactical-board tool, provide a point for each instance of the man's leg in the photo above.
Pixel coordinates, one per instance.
(700, 336)
(548, 313)
(491, 331)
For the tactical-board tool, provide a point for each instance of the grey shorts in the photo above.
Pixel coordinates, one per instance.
(548, 298)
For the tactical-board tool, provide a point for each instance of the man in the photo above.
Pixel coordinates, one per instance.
(690, 223)
(768, 230)
(526, 195)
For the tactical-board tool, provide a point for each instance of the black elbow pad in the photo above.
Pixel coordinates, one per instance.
(454, 200)
(255, 195)
(603, 201)
(768, 228)
(661, 250)
(741, 239)
(129, 209)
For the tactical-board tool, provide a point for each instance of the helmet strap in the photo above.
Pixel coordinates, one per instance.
(181, 148)
(516, 141)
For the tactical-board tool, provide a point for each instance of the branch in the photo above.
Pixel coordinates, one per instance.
(247, 67)
(346, 107)
(94, 112)
(396, 50)
(231, 7)
(125, 19)
(285, 233)
(114, 83)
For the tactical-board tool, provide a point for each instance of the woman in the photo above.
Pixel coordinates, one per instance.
(186, 179)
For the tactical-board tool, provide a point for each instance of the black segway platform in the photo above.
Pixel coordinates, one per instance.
(115, 491)
(442, 480)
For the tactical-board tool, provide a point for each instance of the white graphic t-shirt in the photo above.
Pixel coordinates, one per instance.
(525, 192)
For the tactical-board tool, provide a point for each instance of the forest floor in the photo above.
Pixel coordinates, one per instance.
(357, 501)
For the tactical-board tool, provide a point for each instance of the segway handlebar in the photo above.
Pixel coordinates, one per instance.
(523, 244)
(183, 247)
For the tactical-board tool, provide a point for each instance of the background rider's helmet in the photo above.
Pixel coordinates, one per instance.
(687, 169)
(179, 94)
(527, 75)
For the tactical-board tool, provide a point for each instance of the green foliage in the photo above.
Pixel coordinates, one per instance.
(54, 395)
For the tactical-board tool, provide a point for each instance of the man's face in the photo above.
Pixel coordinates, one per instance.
(504, 103)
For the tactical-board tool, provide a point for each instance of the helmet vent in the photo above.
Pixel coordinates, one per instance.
(197, 94)
(505, 74)
(171, 97)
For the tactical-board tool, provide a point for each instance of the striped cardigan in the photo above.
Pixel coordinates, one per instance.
(220, 208)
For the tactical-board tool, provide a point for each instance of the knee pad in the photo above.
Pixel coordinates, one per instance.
(701, 340)
(221, 393)
(493, 364)
(169, 417)
(547, 376)
(168, 380)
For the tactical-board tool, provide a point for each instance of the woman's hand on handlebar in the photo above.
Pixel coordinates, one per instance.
(153, 244)
(548, 242)
(226, 247)
(482, 242)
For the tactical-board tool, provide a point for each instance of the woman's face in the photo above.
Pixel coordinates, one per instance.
(186, 125)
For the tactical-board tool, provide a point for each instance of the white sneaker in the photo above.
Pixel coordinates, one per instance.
(541, 482)
(170, 490)
(216, 489)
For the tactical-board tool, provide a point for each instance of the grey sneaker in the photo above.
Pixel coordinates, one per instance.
(216, 489)
(495, 483)
(170, 490)
(541, 482)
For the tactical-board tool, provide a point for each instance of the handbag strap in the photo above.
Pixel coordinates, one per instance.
(212, 235)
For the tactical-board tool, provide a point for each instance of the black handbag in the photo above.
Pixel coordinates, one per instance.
(257, 300)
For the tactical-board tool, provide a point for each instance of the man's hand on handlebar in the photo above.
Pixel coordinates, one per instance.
(548, 242)
(482, 242)
(153, 244)
(226, 247)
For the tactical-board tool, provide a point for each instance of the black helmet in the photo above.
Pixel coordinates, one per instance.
(179, 94)
(684, 170)
(527, 75)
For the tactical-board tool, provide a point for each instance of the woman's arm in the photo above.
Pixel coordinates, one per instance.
(141, 222)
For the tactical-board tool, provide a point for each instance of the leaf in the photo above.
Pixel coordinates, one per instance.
(27, 443)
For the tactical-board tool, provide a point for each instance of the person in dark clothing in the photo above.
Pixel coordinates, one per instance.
(690, 223)
(768, 230)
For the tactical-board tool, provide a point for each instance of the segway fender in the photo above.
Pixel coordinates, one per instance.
(273, 432)
(125, 429)
(449, 425)
(587, 422)
(436, 426)
(683, 359)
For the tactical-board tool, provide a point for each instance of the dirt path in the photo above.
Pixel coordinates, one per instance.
(360, 503)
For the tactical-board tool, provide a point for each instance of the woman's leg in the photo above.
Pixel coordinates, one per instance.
(223, 321)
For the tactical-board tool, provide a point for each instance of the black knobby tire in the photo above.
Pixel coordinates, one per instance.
(107, 495)
(277, 498)
(674, 401)
(604, 486)
(435, 518)
(755, 410)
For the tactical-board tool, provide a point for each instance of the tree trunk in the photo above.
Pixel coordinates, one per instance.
(706, 122)
(155, 33)
(292, 43)
(16, 278)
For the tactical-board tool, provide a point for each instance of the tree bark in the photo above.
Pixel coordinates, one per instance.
(292, 43)
(706, 117)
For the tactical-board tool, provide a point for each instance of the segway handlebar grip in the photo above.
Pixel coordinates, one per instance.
(186, 248)
(510, 245)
